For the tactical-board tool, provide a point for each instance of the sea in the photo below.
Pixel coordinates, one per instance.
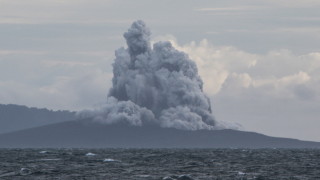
(160, 164)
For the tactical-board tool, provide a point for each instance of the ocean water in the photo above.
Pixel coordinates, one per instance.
(160, 164)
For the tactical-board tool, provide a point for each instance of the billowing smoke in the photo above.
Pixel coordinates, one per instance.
(155, 85)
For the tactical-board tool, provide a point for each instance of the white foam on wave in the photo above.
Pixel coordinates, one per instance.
(110, 160)
(90, 154)
(25, 171)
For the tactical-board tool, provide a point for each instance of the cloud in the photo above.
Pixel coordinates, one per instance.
(263, 92)
(294, 3)
(266, 92)
(216, 63)
(56, 11)
(225, 70)
(288, 29)
(234, 8)
(72, 81)
(157, 82)
(231, 67)
(21, 52)
(71, 93)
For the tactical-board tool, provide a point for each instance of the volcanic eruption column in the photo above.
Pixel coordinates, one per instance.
(158, 85)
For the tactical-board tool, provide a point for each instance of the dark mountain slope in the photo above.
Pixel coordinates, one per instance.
(93, 135)
(16, 117)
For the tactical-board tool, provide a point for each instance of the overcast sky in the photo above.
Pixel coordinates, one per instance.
(260, 60)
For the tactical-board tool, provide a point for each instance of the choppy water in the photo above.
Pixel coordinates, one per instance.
(162, 164)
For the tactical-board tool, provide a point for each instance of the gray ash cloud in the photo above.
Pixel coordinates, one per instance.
(155, 85)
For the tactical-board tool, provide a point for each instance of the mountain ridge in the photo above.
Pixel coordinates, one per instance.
(87, 134)
(17, 117)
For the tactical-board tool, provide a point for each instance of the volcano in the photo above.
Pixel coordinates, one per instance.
(156, 101)
(87, 134)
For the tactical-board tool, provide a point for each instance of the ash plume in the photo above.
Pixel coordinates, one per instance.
(155, 85)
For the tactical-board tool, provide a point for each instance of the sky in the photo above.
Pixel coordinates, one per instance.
(259, 60)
